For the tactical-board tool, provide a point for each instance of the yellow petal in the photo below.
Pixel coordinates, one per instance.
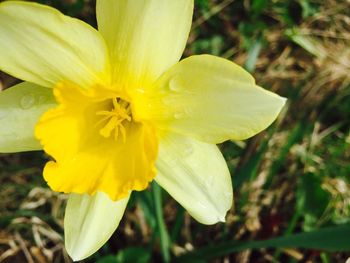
(85, 160)
(41, 45)
(89, 222)
(196, 175)
(210, 99)
(145, 37)
(20, 109)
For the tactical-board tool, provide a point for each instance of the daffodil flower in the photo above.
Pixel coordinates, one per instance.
(115, 109)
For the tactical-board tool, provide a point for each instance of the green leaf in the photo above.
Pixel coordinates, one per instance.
(310, 44)
(108, 259)
(258, 6)
(133, 254)
(20, 109)
(336, 238)
(309, 193)
(202, 4)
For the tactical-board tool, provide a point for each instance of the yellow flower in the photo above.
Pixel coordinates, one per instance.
(121, 110)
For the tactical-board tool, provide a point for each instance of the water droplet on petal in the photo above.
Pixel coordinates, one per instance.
(201, 205)
(174, 85)
(27, 101)
(42, 99)
(188, 151)
(2, 115)
(140, 90)
(178, 115)
(168, 101)
(209, 181)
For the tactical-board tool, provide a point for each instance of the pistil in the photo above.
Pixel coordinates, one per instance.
(116, 119)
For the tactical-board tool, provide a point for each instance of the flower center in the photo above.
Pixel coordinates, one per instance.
(114, 120)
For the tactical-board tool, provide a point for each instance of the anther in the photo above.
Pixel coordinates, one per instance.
(115, 119)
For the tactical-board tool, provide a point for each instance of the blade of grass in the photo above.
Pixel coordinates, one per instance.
(306, 42)
(335, 238)
(253, 54)
(176, 230)
(163, 233)
(212, 12)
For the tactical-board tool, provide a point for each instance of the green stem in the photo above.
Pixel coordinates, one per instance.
(163, 233)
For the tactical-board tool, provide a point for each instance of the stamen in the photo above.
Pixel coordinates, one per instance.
(115, 118)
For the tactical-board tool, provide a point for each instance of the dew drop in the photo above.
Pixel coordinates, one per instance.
(188, 151)
(27, 101)
(42, 99)
(140, 90)
(2, 115)
(178, 115)
(174, 85)
(167, 101)
(209, 181)
(200, 204)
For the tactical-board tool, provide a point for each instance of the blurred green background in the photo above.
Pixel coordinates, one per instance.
(291, 182)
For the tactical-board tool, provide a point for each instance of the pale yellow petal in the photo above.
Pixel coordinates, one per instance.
(89, 222)
(196, 175)
(145, 37)
(210, 99)
(41, 45)
(20, 109)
